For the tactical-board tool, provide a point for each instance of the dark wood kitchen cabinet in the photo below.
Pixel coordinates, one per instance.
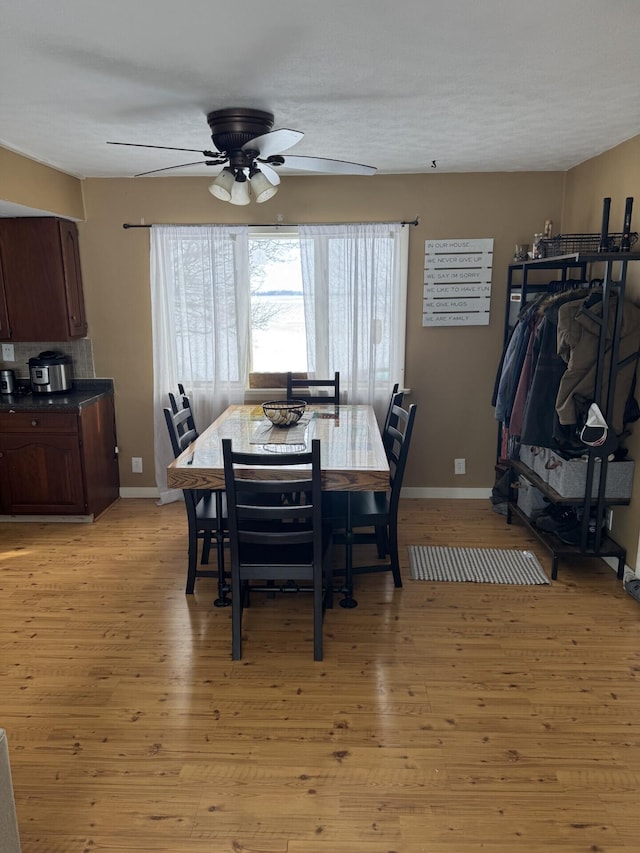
(41, 296)
(4, 315)
(59, 463)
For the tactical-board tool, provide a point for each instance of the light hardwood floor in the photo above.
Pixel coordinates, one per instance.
(445, 717)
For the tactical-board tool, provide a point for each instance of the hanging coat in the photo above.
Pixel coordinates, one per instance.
(510, 371)
(540, 418)
(526, 376)
(578, 337)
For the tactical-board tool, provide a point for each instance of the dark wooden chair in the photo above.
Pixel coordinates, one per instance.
(182, 422)
(391, 420)
(299, 388)
(276, 544)
(206, 513)
(396, 399)
(181, 401)
(348, 512)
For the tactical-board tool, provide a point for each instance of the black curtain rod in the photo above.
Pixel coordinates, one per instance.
(127, 225)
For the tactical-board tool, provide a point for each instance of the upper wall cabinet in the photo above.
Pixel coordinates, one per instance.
(41, 296)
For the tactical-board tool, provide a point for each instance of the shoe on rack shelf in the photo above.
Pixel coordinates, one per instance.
(570, 534)
(556, 517)
(632, 584)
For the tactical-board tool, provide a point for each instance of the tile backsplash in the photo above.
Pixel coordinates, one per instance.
(81, 352)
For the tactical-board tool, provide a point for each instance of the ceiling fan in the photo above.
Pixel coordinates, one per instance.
(248, 149)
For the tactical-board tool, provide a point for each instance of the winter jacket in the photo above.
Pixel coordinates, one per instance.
(510, 372)
(526, 376)
(578, 338)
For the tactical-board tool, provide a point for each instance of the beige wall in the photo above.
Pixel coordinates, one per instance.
(614, 174)
(34, 185)
(450, 371)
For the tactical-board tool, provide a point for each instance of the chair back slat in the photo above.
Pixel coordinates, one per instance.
(302, 388)
(179, 402)
(181, 433)
(391, 419)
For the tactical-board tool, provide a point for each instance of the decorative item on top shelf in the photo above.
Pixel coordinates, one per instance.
(569, 244)
(522, 252)
(284, 413)
(537, 250)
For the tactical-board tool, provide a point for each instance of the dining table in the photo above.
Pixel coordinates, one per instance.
(353, 457)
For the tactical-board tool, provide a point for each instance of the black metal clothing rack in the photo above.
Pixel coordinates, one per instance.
(611, 270)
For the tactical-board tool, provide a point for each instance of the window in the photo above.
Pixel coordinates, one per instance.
(227, 302)
(278, 336)
(327, 298)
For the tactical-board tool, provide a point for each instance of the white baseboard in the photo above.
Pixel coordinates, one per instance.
(444, 494)
(478, 494)
(139, 492)
(47, 519)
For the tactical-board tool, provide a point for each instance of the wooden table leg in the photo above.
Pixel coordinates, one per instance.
(348, 601)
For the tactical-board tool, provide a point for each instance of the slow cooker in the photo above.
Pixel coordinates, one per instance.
(50, 372)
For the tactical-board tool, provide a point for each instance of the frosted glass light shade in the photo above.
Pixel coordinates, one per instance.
(223, 185)
(240, 191)
(262, 187)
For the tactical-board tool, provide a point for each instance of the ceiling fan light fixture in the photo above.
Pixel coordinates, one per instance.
(261, 186)
(240, 192)
(243, 137)
(223, 185)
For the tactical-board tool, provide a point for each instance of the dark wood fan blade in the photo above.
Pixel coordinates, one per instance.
(326, 166)
(181, 166)
(171, 148)
(273, 142)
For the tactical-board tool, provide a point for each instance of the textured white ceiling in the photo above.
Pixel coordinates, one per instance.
(497, 85)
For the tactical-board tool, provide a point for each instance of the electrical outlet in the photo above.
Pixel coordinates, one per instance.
(136, 464)
(460, 466)
(8, 352)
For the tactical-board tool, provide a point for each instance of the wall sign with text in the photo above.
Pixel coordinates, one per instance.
(457, 282)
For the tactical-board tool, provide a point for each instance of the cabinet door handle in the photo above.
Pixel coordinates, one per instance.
(34, 423)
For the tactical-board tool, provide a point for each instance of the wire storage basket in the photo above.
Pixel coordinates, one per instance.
(569, 244)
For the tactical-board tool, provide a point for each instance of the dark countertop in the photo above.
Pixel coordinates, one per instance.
(83, 393)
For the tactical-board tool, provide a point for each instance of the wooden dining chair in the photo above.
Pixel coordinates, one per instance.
(206, 514)
(396, 399)
(301, 388)
(276, 545)
(182, 422)
(181, 401)
(350, 512)
(391, 420)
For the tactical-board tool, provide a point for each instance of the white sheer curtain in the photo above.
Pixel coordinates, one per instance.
(200, 321)
(354, 280)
